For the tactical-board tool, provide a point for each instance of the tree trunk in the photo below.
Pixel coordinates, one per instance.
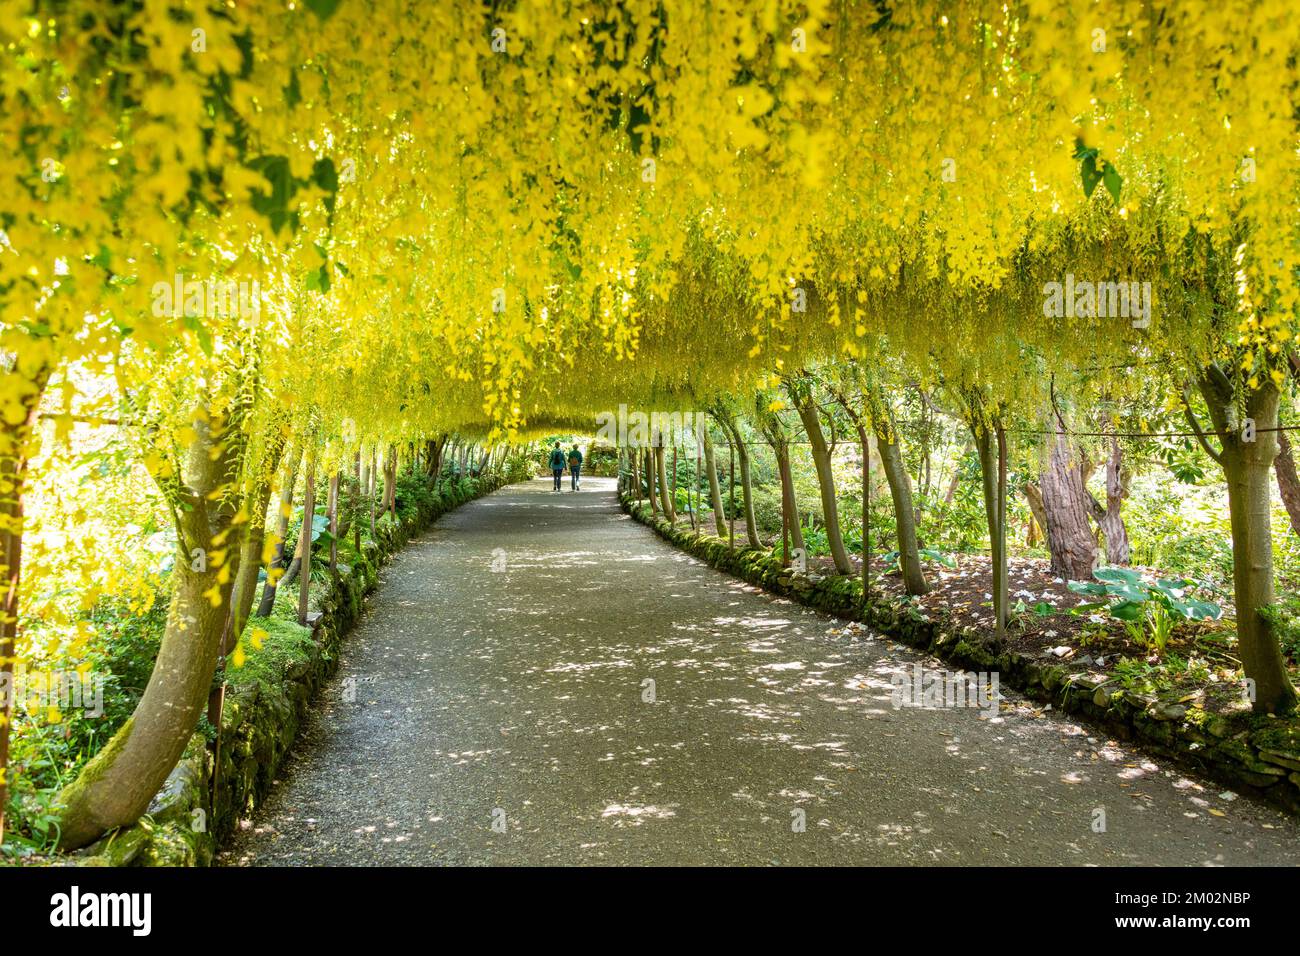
(1111, 518)
(900, 491)
(1069, 535)
(115, 787)
(789, 505)
(353, 511)
(900, 486)
(370, 489)
(250, 561)
(13, 475)
(390, 482)
(649, 462)
(1288, 482)
(666, 502)
(1038, 514)
(812, 426)
(332, 511)
(281, 532)
(746, 482)
(1247, 466)
(304, 538)
(715, 490)
(987, 447)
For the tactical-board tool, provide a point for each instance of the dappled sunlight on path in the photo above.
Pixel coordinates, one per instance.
(541, 680)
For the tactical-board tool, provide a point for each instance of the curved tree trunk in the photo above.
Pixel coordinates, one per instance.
(825, 481)
(900, 487)
(115, 788)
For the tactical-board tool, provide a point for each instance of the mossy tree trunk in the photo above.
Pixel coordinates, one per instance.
(774, 431)
(746, 481)
(1246, 456)
(715, 490)
(115, 787)
(666, 503)
(250, 559)
(812, 427)
(900, 492)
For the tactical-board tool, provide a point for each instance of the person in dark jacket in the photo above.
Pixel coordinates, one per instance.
(557, 465)
(575, 467)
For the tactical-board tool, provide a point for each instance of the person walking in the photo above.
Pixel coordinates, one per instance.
(575, 467)
(557, 465)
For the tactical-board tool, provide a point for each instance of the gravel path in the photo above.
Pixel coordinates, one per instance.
(499, 678)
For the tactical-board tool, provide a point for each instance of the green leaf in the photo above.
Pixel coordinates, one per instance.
(293, 92)
(1117, 575)
(1127, 611)
(934, 554)
(1091, 608)
(201, 331)
(324, 175)
(318, 280)
(1203, 610)
(1088, 169)
(323, 8)
(1088, 587)
(1110, 177)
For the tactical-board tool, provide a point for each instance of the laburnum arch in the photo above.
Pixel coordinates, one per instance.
(487, 220)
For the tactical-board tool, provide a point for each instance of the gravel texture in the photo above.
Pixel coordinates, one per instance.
(490, 709)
